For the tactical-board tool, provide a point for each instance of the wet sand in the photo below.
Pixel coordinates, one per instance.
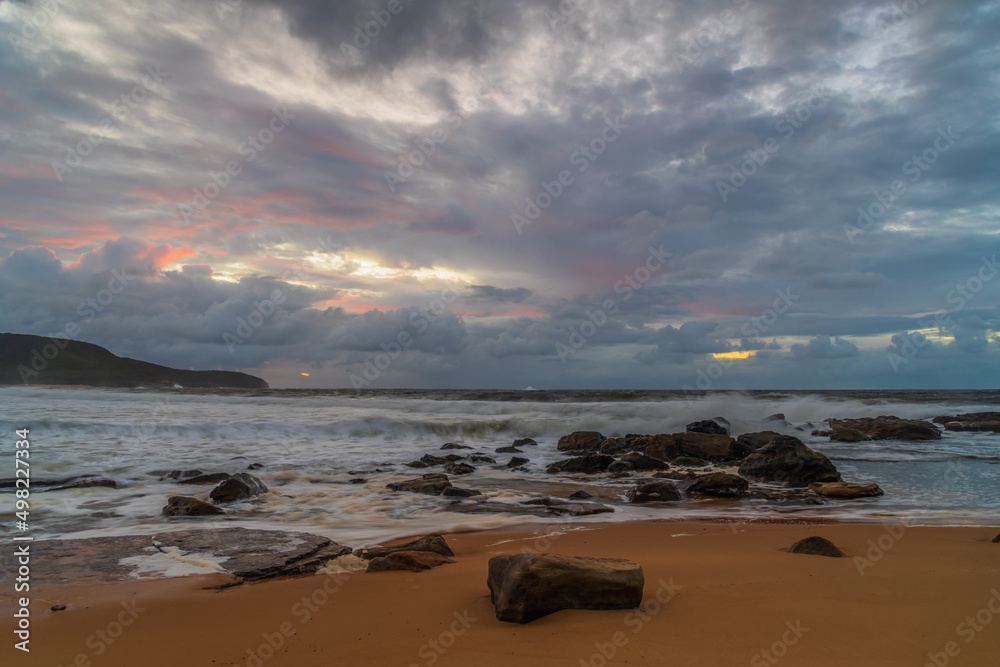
(715, 595)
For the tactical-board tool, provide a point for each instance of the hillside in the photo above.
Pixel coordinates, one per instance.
(37, 360)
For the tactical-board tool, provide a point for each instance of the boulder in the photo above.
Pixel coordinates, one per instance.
(580, 441)
(88, 483)
(615, 446)
(662, 446)
(884, 428)
(690, 462)
(456, 468)
(719, 484)
(845, 490)
(996, 540)
(748, 443)
(508, 450)
(846, 435)
(579, 495)
(240, 486)
(432, 543)
(714, 447)
(454, 445)
(417, 464)
(639, 461)
(570, 509)
(455, 492)
(816, 546)
(185, 506)
(433, 484)
(517, 461)
(524, 442)
(973, 426)
(787, 460)
(707, 426)
(207, 478)
(432, 460)
(481, 458)
(588, 463)
(413, 561)
(969, 417)
(524, 587)
(649, 492)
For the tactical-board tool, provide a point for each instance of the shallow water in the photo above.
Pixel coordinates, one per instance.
(313, 442)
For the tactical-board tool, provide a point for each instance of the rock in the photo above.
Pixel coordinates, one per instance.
(570, 509)
(186, 506)
(454, 445)
(358, 480)
(662, 446)
(714, 447)
(579, 495)
(748, 443)
(846, 435)
(458, 468)
(719, 484)
(88, 483)
(787, 460)
(845, 489)
(690, 462)
(417, 464)
(820, 432)
(58, 607)
(620, 468)
(414, 561)
(432, 543)
(255, 466)
(432, 484)
(517, 461)
(707, 426)
(776, 417)
(885, 428)
(432, 460)
(969, 417)
(208, 478)
(615, 446)
(816, 546)
(524, 587)
(525, 442)
(639, 461)
(455, 492)
(996, 540)
(178, 474)
(653, 492)
(973, 426)
(507, 450)
(480, 458)
(674, 474)
(588, 463)
(580, 441)
(238, 487)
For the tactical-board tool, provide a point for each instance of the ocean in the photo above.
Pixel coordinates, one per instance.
(313, 443)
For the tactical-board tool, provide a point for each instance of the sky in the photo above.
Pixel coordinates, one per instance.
(733, 194)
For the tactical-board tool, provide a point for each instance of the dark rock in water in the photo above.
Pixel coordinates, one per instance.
(433, 484)
(674, 474)
(432, 543)
(413, 561)
(432, 460)
(458, 468)
(245, 554)
(615, 446)
(208, 478)
(969, 417)
(358, 480)
(846, 435)
(88, 483)
(238, 487)
(517, 461)
(816, 546)
(417, 464)
(973, 426)
(649, 492)
(748, 443)
(820, 432)
(787, 460)
(690, 462)
(580, 441)
(883, 428)
(525, 442)
(255, 466)
(639, 461)
(776, 417)
(719, 484)
(588, 463)
(548, 502)
(571, 509)
(454, 445)
(785, 496)
(186, 506)
(480, 458)
(707, 426)
(579, 495)
(455, 492)
(662, 446)
(178, 474)
(524, 587)
(714, 447)
(507, 450)
(620, 468)
(845, 490)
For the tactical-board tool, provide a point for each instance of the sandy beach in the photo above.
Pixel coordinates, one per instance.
(715, 594)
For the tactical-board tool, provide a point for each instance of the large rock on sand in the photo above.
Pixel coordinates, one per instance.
(882, 428)
(431, 543)
(787, 460)
(580, 441)
(238, 487)
(524, 587)
(748, 443)
(185, 506)
(413, 561)
(816, 546)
